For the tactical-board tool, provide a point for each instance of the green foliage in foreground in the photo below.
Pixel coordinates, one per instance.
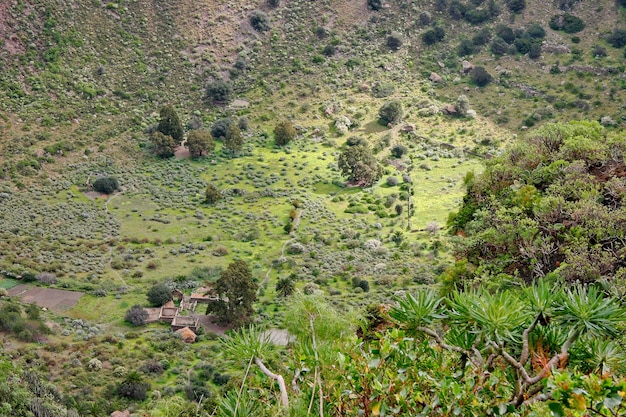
(531, 352)
(553, 205)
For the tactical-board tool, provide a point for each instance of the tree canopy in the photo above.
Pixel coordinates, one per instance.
(284, 132)
(169, 123)
(237, 291)
(199, 142)
(359, 164)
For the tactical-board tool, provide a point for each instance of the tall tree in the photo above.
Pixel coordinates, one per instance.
(237, 291)
(233, 142)
(199, 141)
(359, 165)
(169, 123)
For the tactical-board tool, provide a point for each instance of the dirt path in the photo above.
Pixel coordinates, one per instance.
(106, 210)
(292, 234)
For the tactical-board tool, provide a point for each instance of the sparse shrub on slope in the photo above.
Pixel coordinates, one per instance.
(136, 315)
(566, 22)
(260, 21)
(390, 112)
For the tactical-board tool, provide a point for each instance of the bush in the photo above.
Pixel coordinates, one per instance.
(617, 39)
(392, 181)
(136, 315)
(499, 46)
(536, 31)
(390, 112)
(506, 33)
(106, 185)
(159, 295)
(395, 40)
(383, 89)
(535, 51)
(284, 132)
(329, 50)
(164, 145)
(133, 387)
(219, 92)
(482, 37)
(516, 6)
(220, 127)
(523, 45)
(273, 3)
(434, 35)
(567, 23)
(375, 4)
(466, 47)
(260, 21)
(212, 194)
(398, 151)
(425, 18)
(480, 76)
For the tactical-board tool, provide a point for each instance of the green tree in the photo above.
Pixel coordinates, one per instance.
(359, 164)
(284, 132)
(106, 185)
(164, 146)
(169, 124)
(480, 76)
(233, 141)
(212, 194)
(237, 291)
(199, 142)
(395, 40)
(158, 295)
(390, 112)
(219, 91)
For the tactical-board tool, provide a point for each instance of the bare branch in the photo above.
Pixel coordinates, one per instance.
(278, 378)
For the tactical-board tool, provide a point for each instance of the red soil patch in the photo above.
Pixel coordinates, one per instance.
(58, 300)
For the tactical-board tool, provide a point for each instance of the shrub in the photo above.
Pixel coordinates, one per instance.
(466, 47)
(434, 35)
(383, 89)
(284, 132)
(390, 112)
(136, 315)
(392, 181)
(482, 37)
(480, 76)
(567, 23)
(477, 16)
(133, 387)
(425, 18)
(523, 45)
(462, 105)
(220, 127)
(158, 295)
(499, 46)
(516, 6)
(398, 151)
(395, 40)
(219, 91)
(273, 3)
(212, 194)
(536, 31)
(457, 10)
(106, 185)
(260, 21)
(617, 39)
(375, 4)
(506, 33)
(535, 51)
(329, 50)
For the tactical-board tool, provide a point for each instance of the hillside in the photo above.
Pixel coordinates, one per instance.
(83, 88)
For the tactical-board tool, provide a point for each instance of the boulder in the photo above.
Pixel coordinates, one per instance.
(467, 66)
(434, 77)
